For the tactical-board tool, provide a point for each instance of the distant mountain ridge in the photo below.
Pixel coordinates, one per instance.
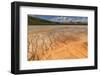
(56, 21)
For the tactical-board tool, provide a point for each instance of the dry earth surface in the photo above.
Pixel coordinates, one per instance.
(57, 42)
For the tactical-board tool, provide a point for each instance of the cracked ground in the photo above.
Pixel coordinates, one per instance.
(57, 42)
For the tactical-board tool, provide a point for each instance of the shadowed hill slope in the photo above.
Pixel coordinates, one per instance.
(37, 21)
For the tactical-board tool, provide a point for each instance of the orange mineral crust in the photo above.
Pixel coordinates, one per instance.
(57, 42)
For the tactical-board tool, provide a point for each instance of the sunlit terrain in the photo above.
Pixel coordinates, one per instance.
(57, 42)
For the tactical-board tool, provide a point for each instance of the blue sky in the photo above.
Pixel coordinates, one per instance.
(47, 17)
